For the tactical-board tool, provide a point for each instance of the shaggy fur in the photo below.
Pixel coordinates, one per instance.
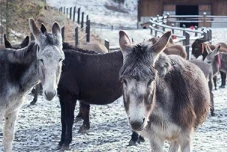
(165, 97)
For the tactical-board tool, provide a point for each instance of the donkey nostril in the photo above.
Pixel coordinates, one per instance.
(143, 119)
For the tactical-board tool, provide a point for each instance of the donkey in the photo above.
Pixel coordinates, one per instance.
(22, 69)
(161, 98)
(198, 48)
(37, 89)
(217, 60)
(208, 72)
(99, 48)
(172, 48)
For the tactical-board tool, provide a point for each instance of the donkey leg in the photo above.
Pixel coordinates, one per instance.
(185, 141)
(215, 82)
(223, 79)
(63, 124)
(85, 110)
(69, 118)
(10, 120)
(134, 138)
(174, 146)
(156, 144)
(211, 98)
(36, 92)
(79, 116)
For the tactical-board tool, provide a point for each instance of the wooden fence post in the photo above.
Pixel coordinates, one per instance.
(196, 28)
(67, 12)
(107, 44)
(204, 18)
(82, 20)
(78, 17)
(64, 10)
(74, 13)
(76, 36)
(63, 33)
(186, 43)
(88, 31)
(87, 18)
(70, 13)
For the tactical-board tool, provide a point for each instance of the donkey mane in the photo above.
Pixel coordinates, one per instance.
(141, 56)
(67, 46)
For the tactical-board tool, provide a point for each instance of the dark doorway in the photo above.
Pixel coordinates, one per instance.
(187, 10)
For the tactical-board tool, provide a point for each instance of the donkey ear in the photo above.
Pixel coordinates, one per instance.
(34, 29)
(25, 42)
(7, 43)
(124, 40)
(216, 50)
(56, 29)
(161, 44)
(208, 49)
(43, 28)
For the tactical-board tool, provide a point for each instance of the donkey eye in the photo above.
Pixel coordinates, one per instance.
(41, 60)
(60, 60)
(124, 81)
(149, 83)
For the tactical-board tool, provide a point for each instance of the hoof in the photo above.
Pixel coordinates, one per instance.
(83, 130)
(222, 86)
(141, 139)
(33, 103)
(64, 147)
(58, 147)
(78, 119)
(212, 114)
(132, 143)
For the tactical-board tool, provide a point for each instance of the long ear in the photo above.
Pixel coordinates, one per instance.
(124, 42)
(43, 28)
(161, 44)
(25, 42)
(7, 43)
(56, 29)
(216, 50)
(34, 29)
(208, 49)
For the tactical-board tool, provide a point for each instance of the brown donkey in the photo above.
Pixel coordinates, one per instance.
(172, 48)
(165, 97)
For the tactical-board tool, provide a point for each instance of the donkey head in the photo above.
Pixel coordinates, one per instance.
(198, 47)
(139, 76)
(211, 54)
(24, 43)
(49, 56)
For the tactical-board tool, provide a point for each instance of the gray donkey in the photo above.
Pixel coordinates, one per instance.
(217, 60)
(22, 69)
(165, 96)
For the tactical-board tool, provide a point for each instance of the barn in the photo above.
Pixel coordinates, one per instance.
(148, 8)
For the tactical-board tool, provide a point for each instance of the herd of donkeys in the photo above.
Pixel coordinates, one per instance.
(166, 96)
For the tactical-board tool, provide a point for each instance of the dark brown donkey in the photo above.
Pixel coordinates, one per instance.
(165, 96)
(198, 48)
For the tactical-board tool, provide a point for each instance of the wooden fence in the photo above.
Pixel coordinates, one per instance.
(76, 15)
(157, 26)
